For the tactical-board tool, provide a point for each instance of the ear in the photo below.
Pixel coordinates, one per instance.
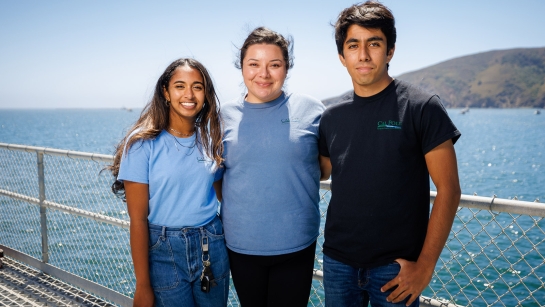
(343, 61)
(165, 93)
(390, 54)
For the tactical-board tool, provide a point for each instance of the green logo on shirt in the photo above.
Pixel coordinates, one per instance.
(388, 125)
(289, 120)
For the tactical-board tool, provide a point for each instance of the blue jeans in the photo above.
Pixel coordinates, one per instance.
(347, 286)
(175, 265)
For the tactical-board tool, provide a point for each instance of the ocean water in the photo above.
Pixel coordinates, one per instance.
(501, 152)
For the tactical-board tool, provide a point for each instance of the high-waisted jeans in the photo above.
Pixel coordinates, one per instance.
(175, 265)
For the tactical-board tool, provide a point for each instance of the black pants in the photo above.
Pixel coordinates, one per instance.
(273, 281)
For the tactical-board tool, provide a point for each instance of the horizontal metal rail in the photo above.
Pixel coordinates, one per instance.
(60, 152)
(75, 211)
(486, 203)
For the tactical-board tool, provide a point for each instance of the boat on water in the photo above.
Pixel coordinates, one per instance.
(537, 112)
(464, 110)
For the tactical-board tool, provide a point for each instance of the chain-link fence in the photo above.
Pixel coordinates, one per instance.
(494, 255)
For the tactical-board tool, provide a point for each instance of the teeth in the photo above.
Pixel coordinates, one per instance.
(189, 104)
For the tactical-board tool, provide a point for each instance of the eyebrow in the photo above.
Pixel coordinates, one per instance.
(370, 39)
(183, 82)
(275, 60)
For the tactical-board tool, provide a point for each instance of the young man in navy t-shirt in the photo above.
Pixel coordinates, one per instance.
(383, 142)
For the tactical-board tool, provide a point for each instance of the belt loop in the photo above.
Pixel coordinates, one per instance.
(164, 232)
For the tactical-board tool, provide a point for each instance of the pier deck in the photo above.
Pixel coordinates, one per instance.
(21, 285)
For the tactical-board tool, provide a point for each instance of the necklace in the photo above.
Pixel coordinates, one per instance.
(182, 134)
(190, 147)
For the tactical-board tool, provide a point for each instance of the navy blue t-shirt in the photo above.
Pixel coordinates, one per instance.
(379, 208)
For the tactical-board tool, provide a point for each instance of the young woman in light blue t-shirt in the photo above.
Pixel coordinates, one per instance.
(166, 168)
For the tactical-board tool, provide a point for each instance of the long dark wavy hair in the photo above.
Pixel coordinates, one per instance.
(155, 118)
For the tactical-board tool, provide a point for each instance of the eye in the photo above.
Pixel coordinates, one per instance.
(253, 64)
(198, 87)
(374, 44)
(352, 46)
(181, 87)
(276, 65)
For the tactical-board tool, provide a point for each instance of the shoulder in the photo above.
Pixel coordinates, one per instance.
(304, 103)
(232, 109)
(343, 104)
(232, 103)
(413, 93)
(145, 143)
(299, 97)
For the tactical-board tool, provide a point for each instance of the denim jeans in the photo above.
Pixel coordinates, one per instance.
(175, 265)
(347, 286)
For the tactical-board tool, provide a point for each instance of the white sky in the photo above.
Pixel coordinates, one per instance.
(109, 54)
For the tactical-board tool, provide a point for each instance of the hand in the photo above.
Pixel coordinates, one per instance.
(411, 280)
(143, 296)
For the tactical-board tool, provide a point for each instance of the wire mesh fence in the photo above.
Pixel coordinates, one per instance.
(491, 258)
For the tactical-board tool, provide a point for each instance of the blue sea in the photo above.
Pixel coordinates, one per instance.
(501, 152)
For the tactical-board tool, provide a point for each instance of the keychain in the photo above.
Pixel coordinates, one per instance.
(207, 277)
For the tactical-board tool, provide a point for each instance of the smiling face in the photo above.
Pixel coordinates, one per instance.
(264, 71)
(186, 94)
(365, 57)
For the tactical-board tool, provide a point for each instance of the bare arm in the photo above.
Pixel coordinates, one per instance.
(137, 203)
(217, 186)
(325, 167)
(414, 277)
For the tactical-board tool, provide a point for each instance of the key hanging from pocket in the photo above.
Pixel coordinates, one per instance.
(207, 272)
(207, 277)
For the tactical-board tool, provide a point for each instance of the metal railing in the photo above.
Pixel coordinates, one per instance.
(59, 215)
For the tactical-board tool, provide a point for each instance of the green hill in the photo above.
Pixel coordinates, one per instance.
(495, 79)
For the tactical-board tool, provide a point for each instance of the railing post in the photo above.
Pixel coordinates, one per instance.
(43, 212)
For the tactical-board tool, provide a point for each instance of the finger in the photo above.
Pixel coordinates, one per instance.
(411, 300)
(389, 285)
(396, 296)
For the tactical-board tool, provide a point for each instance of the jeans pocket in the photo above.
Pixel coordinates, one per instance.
(218, 258)
(214, 229)
(162, 265)
(155, 240)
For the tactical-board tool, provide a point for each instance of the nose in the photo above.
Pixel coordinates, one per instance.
(188, 93)
(364, 54)
(263, 71)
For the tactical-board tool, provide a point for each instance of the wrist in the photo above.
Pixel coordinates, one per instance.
(143, 284)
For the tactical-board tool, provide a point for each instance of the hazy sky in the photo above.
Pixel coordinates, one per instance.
(109, 54)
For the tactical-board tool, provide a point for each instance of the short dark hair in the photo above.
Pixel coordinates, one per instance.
(262, 35)
(371, 14)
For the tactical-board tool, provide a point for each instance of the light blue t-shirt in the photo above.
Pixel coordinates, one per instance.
(179, 176)
(272, 173)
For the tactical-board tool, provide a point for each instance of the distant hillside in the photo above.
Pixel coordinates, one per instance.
(495, 79)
